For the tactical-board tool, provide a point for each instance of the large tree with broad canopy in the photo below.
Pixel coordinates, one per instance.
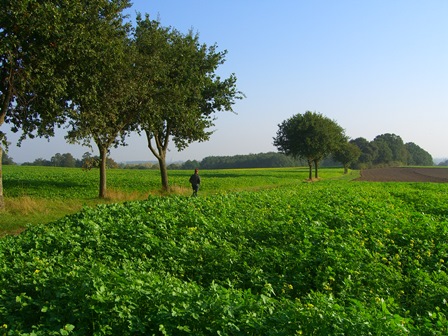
(45, 48)
(179, 88)
(103, 109)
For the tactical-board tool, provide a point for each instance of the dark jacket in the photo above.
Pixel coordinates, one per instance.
(195, 180)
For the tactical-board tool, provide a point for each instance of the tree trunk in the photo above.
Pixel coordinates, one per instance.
(2, 120)
(163, 173)
(161, 141)
(2, 199)
(310, 166)
(7, 96)
(103, 161)
(316, 165)
(345, 169)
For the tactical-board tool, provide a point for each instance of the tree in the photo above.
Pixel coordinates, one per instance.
(398, 153)
(190, 164)
(38, 162)
(68, 160)
(63, 160)
(56, 160)
(6, 160)
(106, 116)
(347, 154)
(418, 156)
(369, 152)
(31, 83)
(45, 48)
(310, 136)
(385, 155)
(179, 88)
(260, 160)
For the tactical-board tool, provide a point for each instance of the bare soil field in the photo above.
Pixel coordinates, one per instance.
(405, 174)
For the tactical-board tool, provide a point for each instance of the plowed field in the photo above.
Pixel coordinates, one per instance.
(408, 174)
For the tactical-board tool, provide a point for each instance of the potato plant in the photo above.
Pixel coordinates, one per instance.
(326, 258)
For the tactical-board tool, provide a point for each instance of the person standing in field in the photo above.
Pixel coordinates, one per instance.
(195, 181)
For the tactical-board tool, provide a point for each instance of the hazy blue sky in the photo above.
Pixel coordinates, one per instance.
(373, 66)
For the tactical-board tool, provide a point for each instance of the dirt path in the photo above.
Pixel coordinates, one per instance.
(408, 174)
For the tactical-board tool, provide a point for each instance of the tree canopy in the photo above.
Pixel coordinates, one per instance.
(179, 89)
(389, 150)
(260, 160)
(346, 154)
(310, 136)
(104, 107)
(44, 53)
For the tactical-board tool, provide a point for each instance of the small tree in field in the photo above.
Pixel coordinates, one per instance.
(179, 89)
(310, 136)
(347, 154)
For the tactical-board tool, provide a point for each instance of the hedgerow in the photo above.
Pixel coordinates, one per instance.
(327, 258)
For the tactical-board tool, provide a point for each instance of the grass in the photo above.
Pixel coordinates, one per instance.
(36, 195)
(25, 210)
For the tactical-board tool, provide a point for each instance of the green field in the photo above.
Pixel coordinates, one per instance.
(37, 195)
(261, 252)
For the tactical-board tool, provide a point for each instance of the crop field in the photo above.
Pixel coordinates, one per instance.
(333, 257)
(71, 183)
(36, 195)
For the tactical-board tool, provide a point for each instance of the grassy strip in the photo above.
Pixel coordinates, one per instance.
(25, 210)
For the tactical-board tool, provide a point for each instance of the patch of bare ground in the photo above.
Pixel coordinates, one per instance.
(404, 174)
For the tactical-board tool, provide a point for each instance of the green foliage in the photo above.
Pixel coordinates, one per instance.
(309, 136)
(389, 150)
(418, 156)
(35, 194)
(346, 154)
(6, 160)
(181, 89)
(261, 160)
(327, 258)
(69, 183)
(47, 49)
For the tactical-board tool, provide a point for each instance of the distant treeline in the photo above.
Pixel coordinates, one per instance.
(384, 150)
(63, 160)
(261, 160)
(389, 150)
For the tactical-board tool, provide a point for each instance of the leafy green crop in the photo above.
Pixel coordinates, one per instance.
(327, 258)
(42, 194)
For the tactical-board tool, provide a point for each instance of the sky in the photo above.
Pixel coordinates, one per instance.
(373, 66)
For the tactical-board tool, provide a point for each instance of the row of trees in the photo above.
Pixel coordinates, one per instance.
(78, 62)
(261, 160)
(313, 137)
(390, 150)
(67, 160)
(362, 148)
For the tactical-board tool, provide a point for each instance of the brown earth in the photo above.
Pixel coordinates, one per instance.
(407, 174)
